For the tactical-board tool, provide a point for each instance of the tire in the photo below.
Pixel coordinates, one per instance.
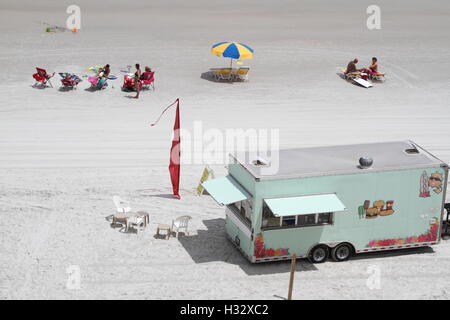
(319, 254)
(342, 252)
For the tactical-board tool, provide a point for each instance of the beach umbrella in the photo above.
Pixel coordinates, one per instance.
(232, 50)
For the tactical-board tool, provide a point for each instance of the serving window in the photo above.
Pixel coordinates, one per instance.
(306, 220)
(244, 210)
(270, 221)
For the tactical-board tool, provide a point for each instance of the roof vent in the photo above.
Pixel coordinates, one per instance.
(259, 162)
(365, 162)
(412, 151)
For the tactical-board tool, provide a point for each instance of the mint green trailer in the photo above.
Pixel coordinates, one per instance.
(321, 202)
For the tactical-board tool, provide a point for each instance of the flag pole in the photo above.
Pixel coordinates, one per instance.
(174, 165)
(291, 279)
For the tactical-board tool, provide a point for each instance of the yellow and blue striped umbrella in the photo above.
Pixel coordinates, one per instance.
(232, 50)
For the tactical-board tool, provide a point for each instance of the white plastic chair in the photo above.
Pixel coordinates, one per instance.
(181, 223)
(136, 222)
(122, 206)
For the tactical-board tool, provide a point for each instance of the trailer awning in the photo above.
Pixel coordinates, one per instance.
(309, 204)
(225, 190)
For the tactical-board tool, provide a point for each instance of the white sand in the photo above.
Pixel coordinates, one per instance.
(64, 154)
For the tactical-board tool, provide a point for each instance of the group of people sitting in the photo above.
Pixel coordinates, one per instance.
(373, 68)
(131, 82)
(139, 76)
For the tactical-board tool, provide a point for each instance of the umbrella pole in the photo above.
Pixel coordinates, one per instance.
(231, 67)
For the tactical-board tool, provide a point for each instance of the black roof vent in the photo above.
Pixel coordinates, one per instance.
(365, 162)
(412, 151)
(259, 162)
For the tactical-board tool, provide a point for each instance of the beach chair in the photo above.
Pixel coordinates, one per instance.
(242, 74)
(377, 76)
(350, 75)
(122, 206)
(222, 74)
(69, 80)
(136, 222)
(148, 80)
(215, 73)
(98, 83)
(181, 223)
(42, 77)
(123, 212)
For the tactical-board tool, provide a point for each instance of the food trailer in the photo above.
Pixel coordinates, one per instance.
(333, 201)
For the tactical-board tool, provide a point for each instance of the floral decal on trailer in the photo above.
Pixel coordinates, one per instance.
(262, 252)
(431, 235)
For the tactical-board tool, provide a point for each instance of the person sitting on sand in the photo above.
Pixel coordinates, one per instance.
(351, 67)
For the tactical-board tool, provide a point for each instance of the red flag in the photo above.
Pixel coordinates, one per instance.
(174, 167)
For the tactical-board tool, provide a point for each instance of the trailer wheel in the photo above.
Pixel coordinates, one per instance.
(319, 254)
(342, 252)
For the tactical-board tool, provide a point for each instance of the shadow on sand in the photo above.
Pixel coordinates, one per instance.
(209, 76)
(91, 89)
(40, 86)
(393, 253)
(213, 245)
(66, 89)
(341, 75)
(161, 195)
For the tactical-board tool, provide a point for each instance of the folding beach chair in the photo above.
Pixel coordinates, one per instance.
(69, 80)
(148, 80)
(42, 77)
(98, 83)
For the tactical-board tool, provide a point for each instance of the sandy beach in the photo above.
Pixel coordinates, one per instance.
(64, 154)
